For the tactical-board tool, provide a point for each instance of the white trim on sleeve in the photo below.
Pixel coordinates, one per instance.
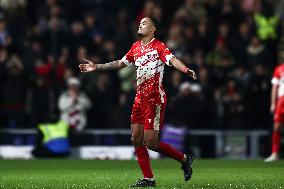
(275, 81)
(168, 58)
(125, 61)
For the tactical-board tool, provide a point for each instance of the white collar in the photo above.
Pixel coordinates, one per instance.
(148, 42)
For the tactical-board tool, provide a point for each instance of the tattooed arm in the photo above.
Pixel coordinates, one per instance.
(90, 66)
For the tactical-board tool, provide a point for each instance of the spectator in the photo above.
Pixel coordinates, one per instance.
(240, 42)
(14, 91)
(73, 105)
(172, 86)
(5, 38)
(41, 103)
(268, 29)
(194, 9)
(52, 140)
(220, 57)
(176, 40)
(259, 92)
(235, 109)
(104, 99)
(78, 36)
(190, 95)
(257, 54)
(205, 36)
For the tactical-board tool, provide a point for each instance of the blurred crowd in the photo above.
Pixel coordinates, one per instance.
(233, 45)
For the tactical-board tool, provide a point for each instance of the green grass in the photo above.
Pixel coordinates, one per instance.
(74, 174)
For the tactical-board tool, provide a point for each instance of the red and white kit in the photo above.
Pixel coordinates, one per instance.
(278, 79)
(150, 101)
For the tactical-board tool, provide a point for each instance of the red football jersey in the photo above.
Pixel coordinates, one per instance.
(278, 79)
(149, 60)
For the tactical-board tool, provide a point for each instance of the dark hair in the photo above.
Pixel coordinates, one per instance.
(155, 22)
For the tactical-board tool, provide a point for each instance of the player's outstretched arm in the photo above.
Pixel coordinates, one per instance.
(180, 66)
(90, 66)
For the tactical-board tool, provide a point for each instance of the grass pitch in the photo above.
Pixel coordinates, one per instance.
(76, 174)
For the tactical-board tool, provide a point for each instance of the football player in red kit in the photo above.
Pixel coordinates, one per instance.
(149, 55)
(277, 107)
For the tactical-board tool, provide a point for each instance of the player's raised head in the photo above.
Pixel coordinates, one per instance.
(148, 26)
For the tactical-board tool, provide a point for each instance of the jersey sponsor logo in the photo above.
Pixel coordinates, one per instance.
(149, 57)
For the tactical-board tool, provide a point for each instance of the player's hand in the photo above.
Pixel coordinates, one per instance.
(88, 66)
(192, 74)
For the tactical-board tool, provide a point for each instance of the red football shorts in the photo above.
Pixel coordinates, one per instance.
(279, 111)
(151, 117)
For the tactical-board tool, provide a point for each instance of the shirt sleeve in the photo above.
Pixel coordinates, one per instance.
(128, 59)
(276, 77)
(165, 54)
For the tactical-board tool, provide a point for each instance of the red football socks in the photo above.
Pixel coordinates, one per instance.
(169, 151)
(275, 141)
(144, 161)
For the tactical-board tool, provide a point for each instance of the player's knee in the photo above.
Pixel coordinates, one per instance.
(137, 141)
